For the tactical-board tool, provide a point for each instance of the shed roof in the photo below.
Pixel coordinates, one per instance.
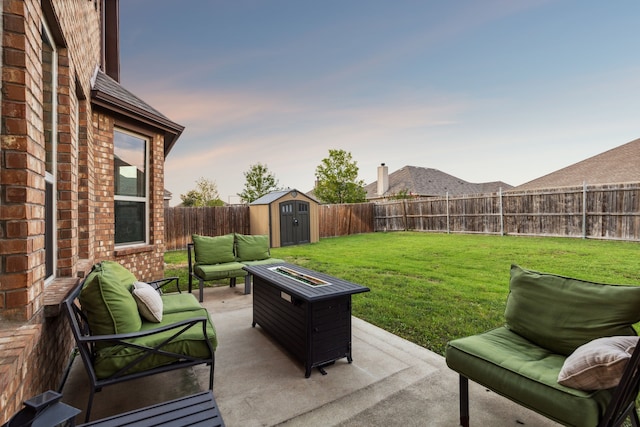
(616, 166)
(108, 93)
(275, 195)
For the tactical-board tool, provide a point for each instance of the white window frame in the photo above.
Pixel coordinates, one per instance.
(51, 176)
(144, 199)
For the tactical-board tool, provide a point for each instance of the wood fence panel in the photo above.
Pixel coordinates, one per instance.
(181, 223)
(344, 219)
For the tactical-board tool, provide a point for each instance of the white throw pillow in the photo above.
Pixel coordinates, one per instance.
(598, 364)
(148, 301)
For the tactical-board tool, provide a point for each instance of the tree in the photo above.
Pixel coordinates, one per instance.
(205, 194)
(258, 182)
(337, 179)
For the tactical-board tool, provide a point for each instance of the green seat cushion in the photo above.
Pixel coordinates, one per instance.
(192, 342)
(525, 373)
(107, 300)
(264, 261)
(175, 303)
(561, 313)
(213, 250)
(252, 248)
(219, 271)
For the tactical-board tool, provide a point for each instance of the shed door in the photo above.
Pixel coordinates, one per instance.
(295, 227)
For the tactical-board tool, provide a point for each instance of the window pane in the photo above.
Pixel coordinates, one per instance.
(129, 155)
(48, 87)
(49, 230)
(129, 222)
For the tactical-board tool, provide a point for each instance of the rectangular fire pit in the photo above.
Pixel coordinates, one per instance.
(307, 312)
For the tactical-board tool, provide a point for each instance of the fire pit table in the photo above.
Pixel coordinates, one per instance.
(307, 312)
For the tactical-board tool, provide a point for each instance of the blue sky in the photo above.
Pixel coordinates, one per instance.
(485, 90)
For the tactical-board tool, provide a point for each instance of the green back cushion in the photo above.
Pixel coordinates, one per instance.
(213, 250)
(252, 248)
(560, 313)
(107, 300)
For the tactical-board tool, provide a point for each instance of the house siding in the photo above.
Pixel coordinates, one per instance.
(35, 339)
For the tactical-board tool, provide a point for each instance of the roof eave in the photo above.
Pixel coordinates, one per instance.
(171, 129)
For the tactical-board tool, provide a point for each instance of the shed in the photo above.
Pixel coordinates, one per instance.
(289, 217)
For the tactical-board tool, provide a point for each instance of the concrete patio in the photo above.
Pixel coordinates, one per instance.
(391, 382)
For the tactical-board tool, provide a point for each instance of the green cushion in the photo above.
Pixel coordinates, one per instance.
(213, 250)
(561, 313)
(107, 300)
(527, 374)
(174, 303)
(111, 359)
(219, 271)
(252, 248)
(264, 261)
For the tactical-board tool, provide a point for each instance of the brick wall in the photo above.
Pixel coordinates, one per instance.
(29, 366)
(35, 339)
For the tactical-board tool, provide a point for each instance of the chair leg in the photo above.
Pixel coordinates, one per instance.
(635, 422)
(464, 401)
(201, 286)
(213, 366)
(232, 282)
(89, 405)
(247, 284)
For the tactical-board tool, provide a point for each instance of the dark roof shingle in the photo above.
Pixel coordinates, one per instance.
(421, 181)
(616, 166)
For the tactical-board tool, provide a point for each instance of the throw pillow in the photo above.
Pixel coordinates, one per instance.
(148, 301)
(213, 250)
(598, 364)
(252, 248)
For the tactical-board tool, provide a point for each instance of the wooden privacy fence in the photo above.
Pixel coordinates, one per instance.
(181, 223)
(601, 212)
(344, 219)
(598, 212)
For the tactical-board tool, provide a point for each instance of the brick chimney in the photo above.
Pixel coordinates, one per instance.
(383, 179)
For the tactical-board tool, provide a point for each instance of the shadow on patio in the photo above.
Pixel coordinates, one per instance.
(390, 382)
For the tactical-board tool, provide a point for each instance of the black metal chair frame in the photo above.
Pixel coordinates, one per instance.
(621, 406)
(86, 343)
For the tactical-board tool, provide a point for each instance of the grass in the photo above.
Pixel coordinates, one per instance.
(431, 288)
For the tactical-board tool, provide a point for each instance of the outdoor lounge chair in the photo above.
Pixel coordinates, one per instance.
(568, 351)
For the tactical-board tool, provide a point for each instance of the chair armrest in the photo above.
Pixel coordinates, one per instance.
(160, 283)
(161, 348)
(120, 338)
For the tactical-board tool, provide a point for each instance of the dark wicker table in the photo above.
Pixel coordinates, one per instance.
(196, 410)
(307, 312)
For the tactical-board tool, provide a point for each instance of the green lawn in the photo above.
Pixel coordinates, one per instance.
(431, 288)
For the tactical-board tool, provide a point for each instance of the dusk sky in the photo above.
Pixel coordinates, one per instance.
(485, 90)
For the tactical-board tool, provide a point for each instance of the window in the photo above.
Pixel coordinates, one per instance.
(131, 188)
(50, 119)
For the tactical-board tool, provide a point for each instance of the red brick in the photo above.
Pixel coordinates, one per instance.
(14, 92)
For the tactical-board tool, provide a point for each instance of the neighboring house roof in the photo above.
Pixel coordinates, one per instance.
(419, 181)
(275, 195)
(615, 166)
(108, 93)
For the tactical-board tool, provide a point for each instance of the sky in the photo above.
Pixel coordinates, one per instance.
(485, 90)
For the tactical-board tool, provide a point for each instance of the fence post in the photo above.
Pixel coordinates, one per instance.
(501, 212)
(584, 209)
(448, 226)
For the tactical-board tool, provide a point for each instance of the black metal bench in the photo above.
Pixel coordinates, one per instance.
(197, 410)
